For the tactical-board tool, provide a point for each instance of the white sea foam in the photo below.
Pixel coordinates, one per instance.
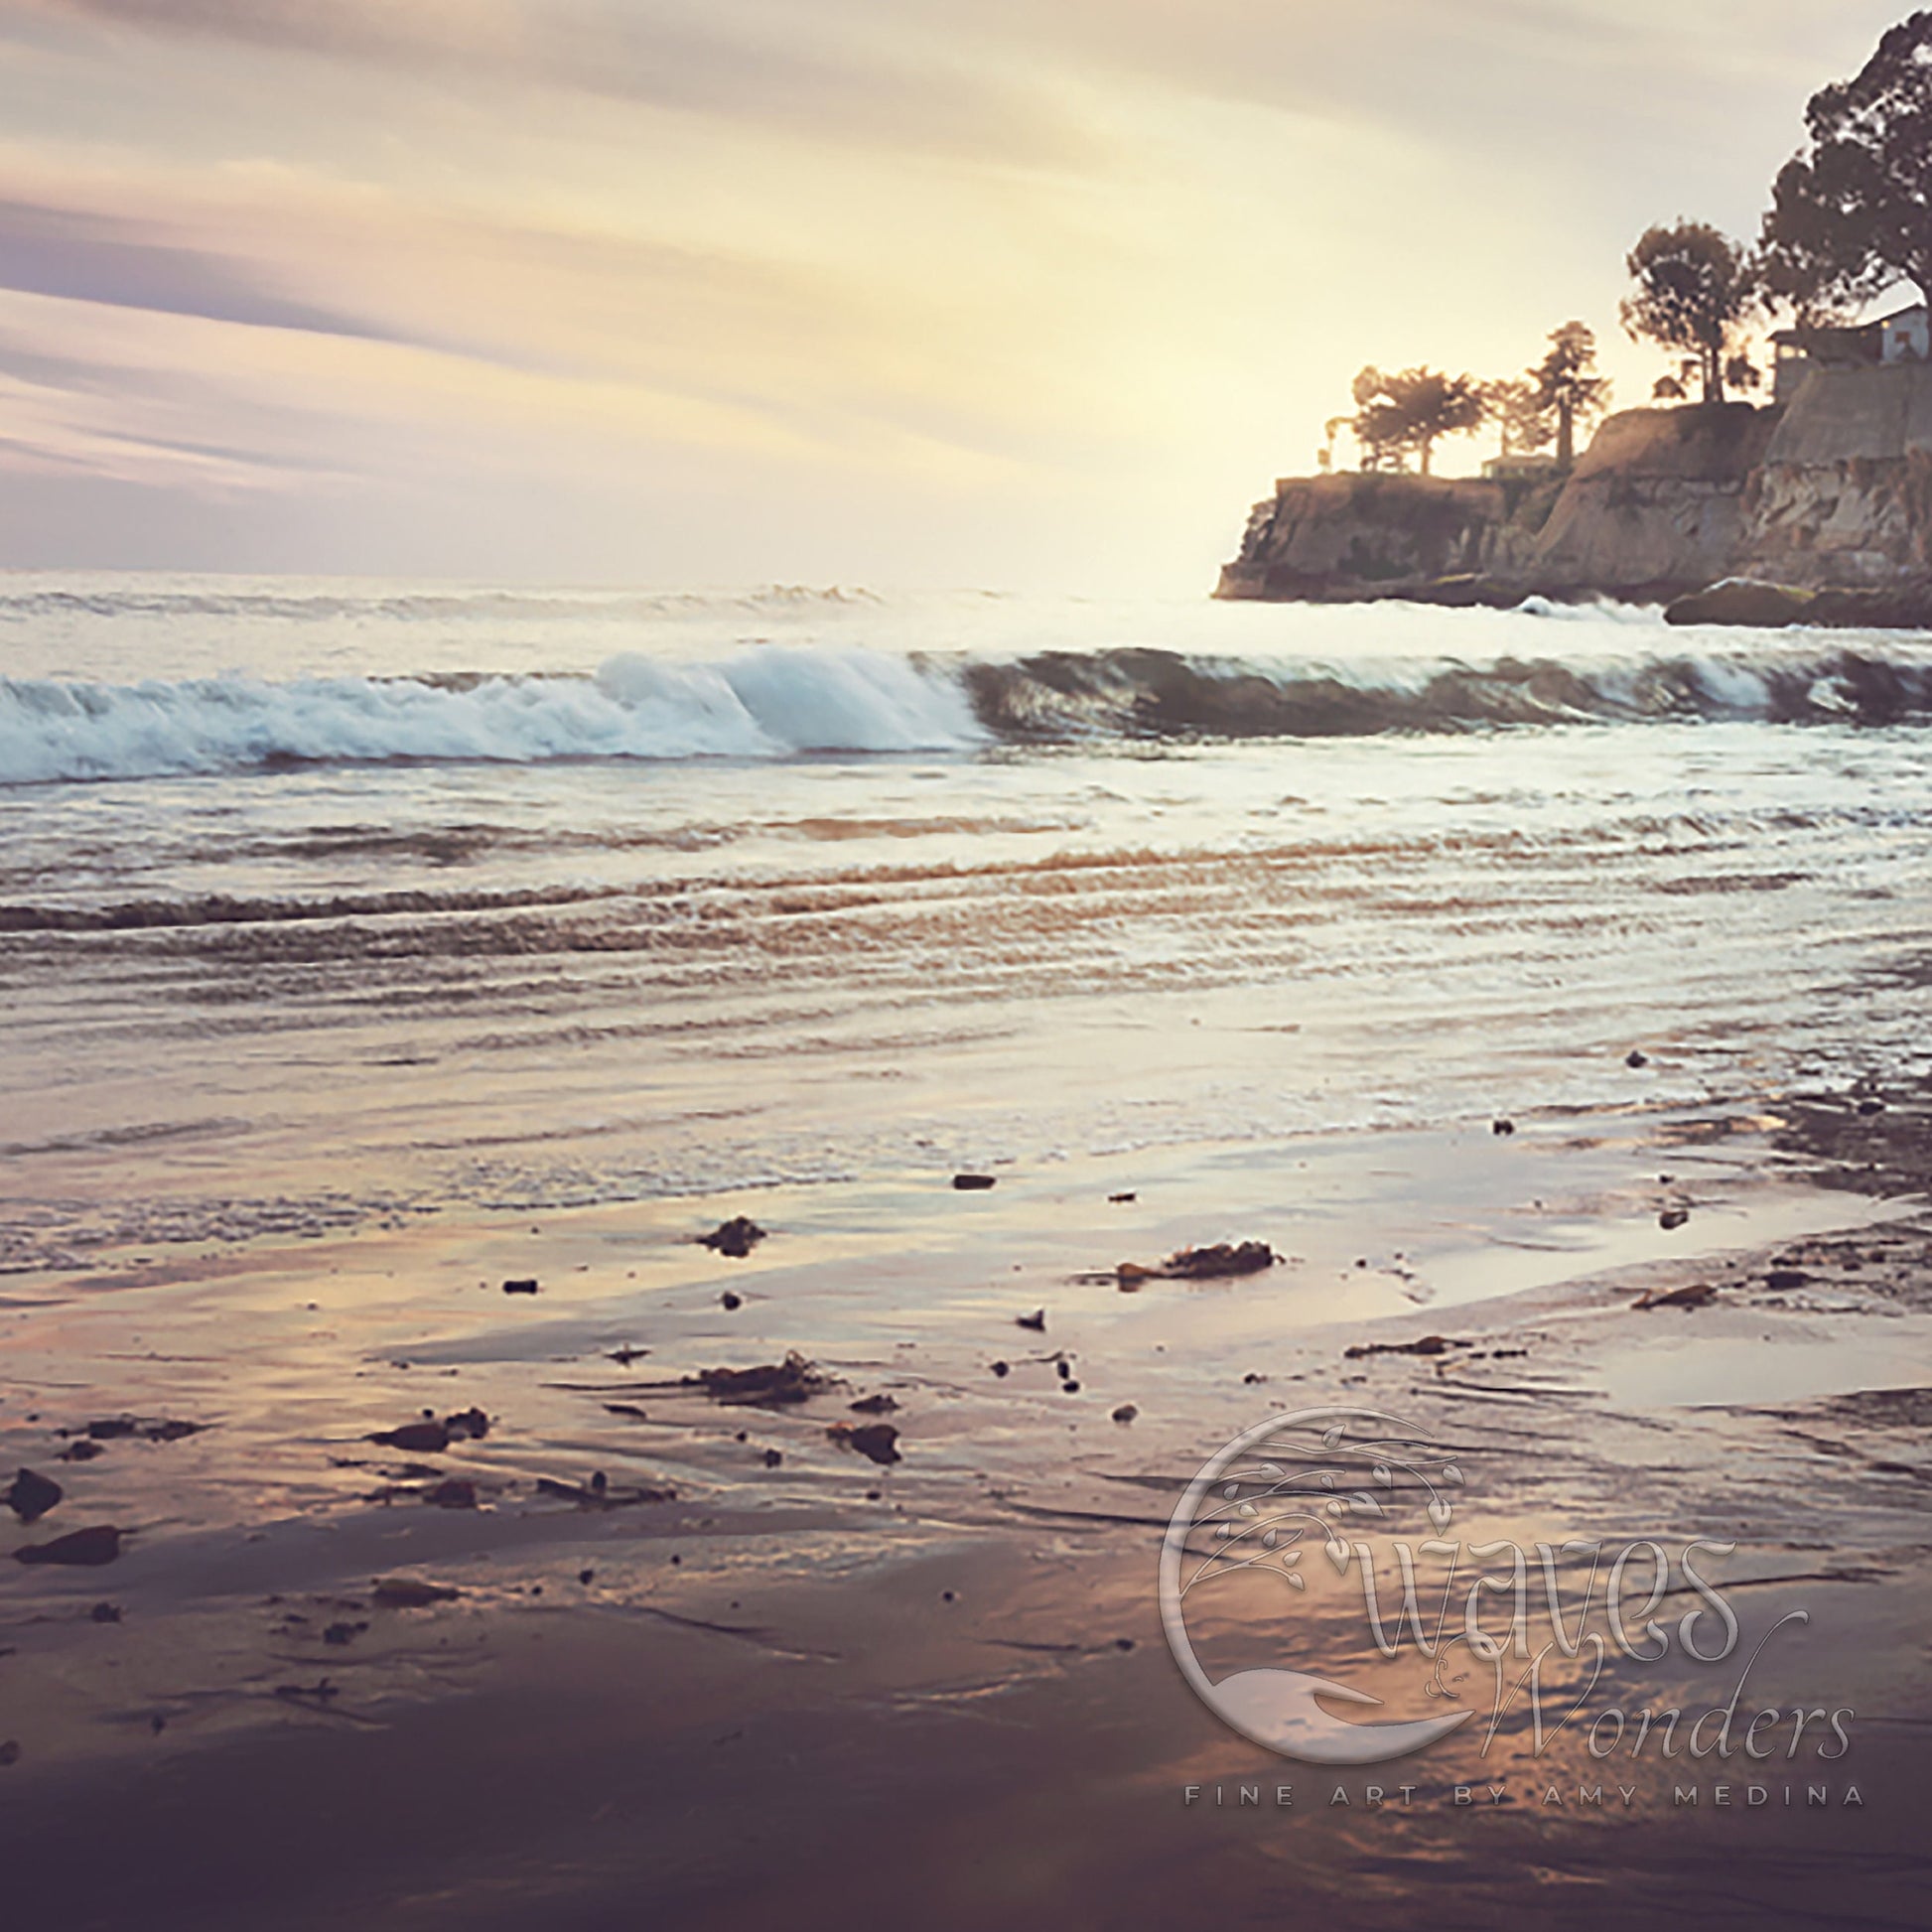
(757, 704)
(865, 676)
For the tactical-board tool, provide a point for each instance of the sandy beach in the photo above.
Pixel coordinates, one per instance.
(729, 1666)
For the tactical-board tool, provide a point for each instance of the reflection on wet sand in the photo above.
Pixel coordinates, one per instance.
(554, 1623)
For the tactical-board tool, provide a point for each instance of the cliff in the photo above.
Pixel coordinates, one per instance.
(1831, 496)
(1656, 506)
(1844, 493)
(1369, 534)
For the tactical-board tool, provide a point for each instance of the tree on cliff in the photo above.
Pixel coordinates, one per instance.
(1697, 290)
(1399, 413)
(1852, 212)
(1519, 415)
(1567, 386)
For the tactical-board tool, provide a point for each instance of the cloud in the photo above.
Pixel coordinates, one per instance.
(90, 257)
(841, 74)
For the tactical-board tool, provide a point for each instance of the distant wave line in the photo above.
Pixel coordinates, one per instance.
(773, 702)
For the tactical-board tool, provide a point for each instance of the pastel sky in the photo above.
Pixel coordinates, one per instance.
(1013, 293)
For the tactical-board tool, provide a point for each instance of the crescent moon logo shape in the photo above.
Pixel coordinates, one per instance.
(1278, 1707)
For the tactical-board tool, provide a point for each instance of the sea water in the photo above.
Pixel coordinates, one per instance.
(322, 903)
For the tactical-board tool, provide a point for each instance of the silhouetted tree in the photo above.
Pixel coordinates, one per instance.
(1567, 386)
(1513, 406)
(1396, 414)
(1851, 211)
(1695, 291)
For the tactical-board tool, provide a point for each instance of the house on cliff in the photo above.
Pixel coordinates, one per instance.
(1529, 465)
(1902, 336)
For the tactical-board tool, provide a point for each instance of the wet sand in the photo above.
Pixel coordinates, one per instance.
(823, 1690)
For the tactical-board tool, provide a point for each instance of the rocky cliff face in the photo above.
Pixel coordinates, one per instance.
(1356, 535)
(1832, 495)
(1844, 493)
(1657, 503)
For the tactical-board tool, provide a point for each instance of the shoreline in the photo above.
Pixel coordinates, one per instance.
(991, 1593)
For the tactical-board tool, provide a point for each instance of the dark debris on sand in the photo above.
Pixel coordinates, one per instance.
(878, 1442)
(411, 1594)
(115, 1429)
(31, 1496)
(1424, 1345)
(736, 1237)
(87, 1549)
(430, 1436)
(771, 1384)
(1214, 1263)
(1693, 1296)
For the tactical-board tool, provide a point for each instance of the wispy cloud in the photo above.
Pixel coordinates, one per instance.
(92, 257)
(834, 72)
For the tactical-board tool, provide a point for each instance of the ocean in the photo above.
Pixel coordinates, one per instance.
(325, 905)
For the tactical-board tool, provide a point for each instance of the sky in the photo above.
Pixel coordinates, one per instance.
(1012, 294)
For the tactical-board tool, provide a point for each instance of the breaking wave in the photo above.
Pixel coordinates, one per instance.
(778, 702)
(757, 704)
(1149, 693)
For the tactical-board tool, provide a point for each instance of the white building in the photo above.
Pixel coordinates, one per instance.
(1901, 337)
